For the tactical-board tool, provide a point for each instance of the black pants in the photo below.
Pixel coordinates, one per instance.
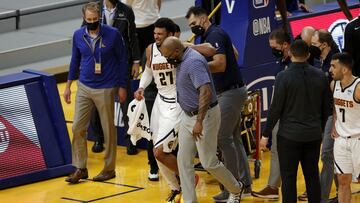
(290, 154)
(145, 36)
(151, 158)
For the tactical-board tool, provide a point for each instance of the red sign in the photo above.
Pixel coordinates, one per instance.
(319, 22)
(18, 154)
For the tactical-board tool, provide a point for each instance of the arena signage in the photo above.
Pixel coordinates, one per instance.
(230, 5)
(265, 84)
(260, 3)
(261, 26)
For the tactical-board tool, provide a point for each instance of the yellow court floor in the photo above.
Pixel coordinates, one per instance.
(130, 185)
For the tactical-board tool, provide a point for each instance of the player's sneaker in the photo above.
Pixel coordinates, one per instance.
(174, 197)
(234, 198)
(153, 176)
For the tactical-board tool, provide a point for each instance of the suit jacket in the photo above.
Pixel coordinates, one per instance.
(124, 21)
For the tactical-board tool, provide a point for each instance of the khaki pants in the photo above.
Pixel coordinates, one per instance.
(103, 99)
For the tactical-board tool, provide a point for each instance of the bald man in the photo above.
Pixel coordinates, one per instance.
(200, 121)
(306, 34)
(323, 42)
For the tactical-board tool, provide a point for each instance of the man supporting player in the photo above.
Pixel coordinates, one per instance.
(346, 130)
(165, 116)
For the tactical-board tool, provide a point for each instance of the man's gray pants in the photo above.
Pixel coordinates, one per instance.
(230, 143)
(274, 176)
(327, 158)
(207, 148)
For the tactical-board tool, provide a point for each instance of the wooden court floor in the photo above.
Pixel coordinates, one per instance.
(130, 185)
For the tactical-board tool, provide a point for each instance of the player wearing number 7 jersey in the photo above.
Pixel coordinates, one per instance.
(346, 130)
(165, 115)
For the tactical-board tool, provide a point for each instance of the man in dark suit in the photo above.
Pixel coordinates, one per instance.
(301, 103)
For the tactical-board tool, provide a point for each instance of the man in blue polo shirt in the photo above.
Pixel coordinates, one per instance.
(231, 93)
(200, 121)
(99, 62)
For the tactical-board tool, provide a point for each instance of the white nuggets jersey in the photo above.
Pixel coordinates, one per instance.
(164, 73)
(347, 110)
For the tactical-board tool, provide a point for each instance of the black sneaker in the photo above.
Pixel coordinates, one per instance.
(97, 147)
(174, 197)
(333, 200)
(131, 150)
(199, 167)
(303, 197)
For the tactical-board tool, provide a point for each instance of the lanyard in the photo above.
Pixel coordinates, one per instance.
(93, 47)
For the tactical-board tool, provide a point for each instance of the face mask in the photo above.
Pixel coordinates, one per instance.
(197, 30)
(92, 26)
(173, 61)
(277, 53)
(315, 51)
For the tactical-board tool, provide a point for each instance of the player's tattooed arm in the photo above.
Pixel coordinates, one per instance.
(204, 102)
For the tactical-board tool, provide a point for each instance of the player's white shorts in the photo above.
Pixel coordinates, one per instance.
(165, 123)
(347, 155)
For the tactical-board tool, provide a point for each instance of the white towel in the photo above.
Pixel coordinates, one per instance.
(138, 121)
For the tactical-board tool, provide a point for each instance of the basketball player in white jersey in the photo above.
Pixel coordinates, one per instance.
(165, 115)
(346, 132)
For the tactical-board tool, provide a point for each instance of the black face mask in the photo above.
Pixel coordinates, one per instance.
(315, 51)
(277, 53)
(197, 30)
(92, 26)
(173, 61)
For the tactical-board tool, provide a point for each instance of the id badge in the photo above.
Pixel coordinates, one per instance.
(97, 68)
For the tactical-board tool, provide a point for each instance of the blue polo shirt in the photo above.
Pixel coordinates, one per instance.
(191, 74)
(108, 49)
(219, 39)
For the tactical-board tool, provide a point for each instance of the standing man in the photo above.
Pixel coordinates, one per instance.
(200, 121)
(166, 113)
(121, 17)
(324, 48)
(346, 130)
(99, 51)
(279, 41)
(146, 13)
(231, 93)
(352, 41)
(301, 103)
